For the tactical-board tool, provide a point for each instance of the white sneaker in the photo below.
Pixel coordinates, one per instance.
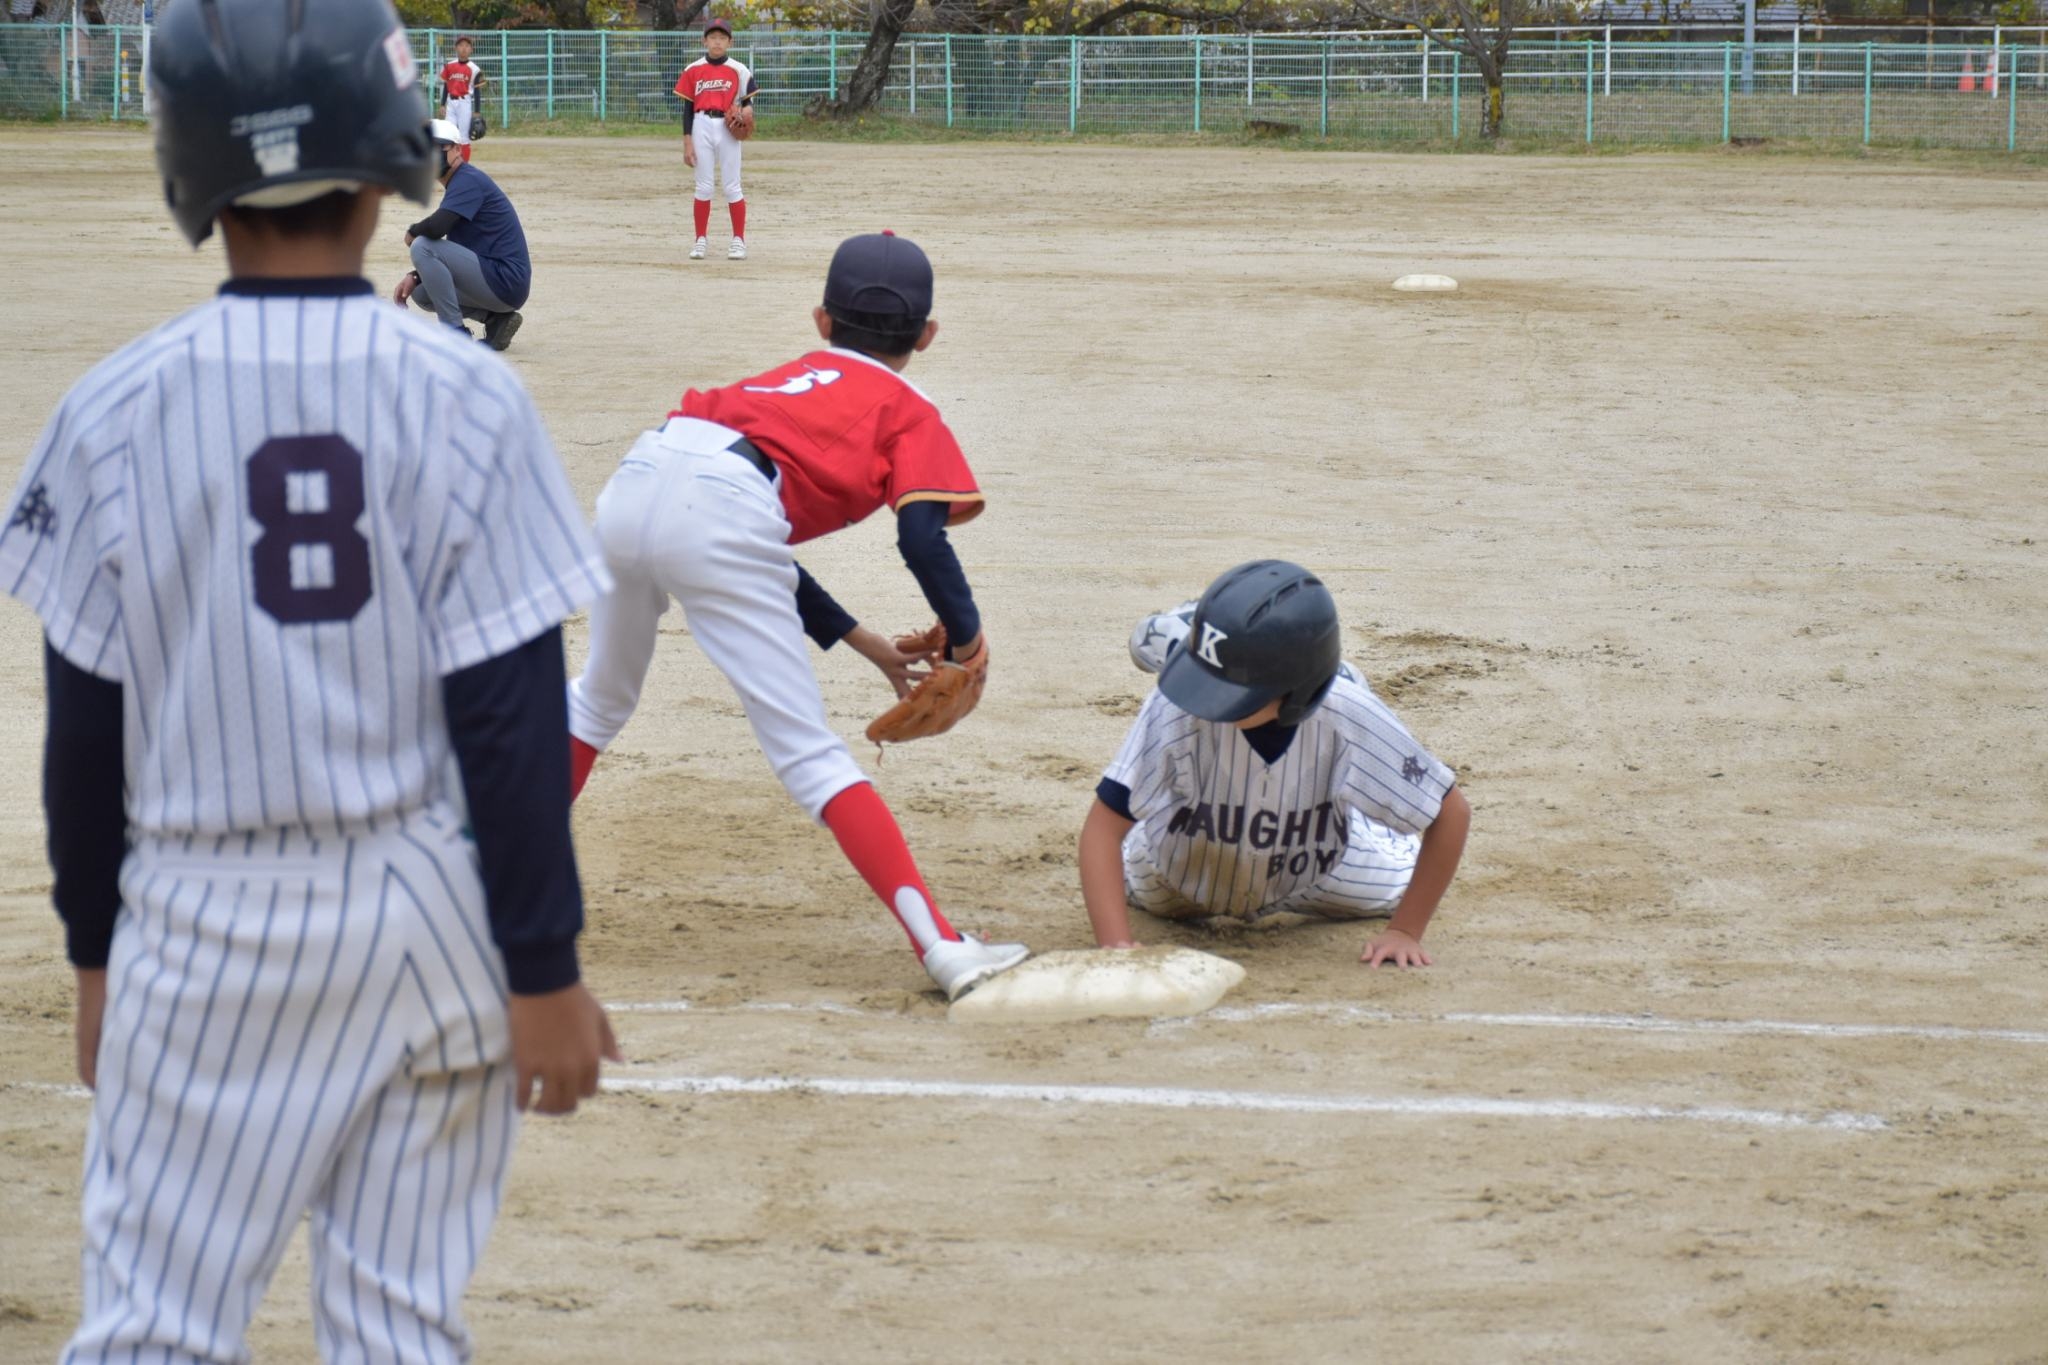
(959, 967)
(738, 250)
(697, 249)
(1155, 637)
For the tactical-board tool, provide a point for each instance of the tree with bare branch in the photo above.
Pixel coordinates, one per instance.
(1484, 32)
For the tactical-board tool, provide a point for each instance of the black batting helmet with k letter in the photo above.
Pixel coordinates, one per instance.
(1264, 631)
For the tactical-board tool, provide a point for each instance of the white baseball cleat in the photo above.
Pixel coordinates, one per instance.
(738, 250)
(1155, 637)
(959, 967)
(697, 249)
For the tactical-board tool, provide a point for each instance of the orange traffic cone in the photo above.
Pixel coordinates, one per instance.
(1968, 83)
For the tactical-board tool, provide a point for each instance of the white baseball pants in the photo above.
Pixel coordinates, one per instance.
(684, 517)
(459, 113)
(1368, 881)
(716, 145)
(296, 1023)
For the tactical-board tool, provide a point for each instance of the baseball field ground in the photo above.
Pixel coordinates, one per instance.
(1702, 531)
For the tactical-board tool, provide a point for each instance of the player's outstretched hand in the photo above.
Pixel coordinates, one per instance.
(1396, 948)
(92, 1008)
(558, 1041)
(904, 668)
(406, 284)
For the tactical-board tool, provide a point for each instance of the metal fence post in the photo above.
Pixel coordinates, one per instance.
(1326, 89)
(2012, 103)
(1074, 85)
(1607, 62)
(551, 75)
(1425, 66)
(117, 73)
(913, 80)
(1251, 45)
(1589, 94)
(832, 62)
(1457, 63)
(1869, 60)
(604, 74)
(504, 79)
(65, 41)
(1795, 61)
(1727, 85)
(949, 80)
(1198, 82)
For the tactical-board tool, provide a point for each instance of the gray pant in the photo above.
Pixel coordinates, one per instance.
(452, 284)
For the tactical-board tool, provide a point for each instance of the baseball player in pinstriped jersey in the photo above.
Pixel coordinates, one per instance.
(292, 553)
(1264, 777)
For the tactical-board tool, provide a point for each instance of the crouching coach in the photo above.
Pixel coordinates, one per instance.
(468, 256)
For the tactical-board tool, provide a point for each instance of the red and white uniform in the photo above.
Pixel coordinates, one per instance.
(713, 90)
(459, 79)
(685, 517)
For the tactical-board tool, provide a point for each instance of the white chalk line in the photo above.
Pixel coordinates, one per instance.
(1243, 1014)
(1168, 1097)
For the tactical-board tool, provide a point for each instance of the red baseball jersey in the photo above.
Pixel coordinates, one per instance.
(460, 78)
(849, 435)
(715, 87)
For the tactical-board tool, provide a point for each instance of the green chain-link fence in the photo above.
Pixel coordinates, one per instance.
(1390, 88)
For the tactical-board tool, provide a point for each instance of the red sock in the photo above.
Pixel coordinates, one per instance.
(581, 758)
(868, 836)
(465, 151)
(738, 210)
(702, 209)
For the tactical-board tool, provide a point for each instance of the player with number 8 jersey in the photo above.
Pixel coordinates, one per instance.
(301, 565)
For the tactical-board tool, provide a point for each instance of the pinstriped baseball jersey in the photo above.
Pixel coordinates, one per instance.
(1233, 833)
(279, 521)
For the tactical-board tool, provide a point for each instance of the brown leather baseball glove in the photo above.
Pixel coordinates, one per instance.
(740, 122)
(952, 690)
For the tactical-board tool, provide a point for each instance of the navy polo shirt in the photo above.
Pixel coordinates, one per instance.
(490, 228)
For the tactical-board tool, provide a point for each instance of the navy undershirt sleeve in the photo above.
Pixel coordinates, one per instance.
(921, 536)
(84, 805)
(824, 620)
(689, 117)
(508, 719)
(1116, 796)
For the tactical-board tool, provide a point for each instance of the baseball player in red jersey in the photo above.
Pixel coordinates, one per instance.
(462, 80)
(705, 509)
(712, 89)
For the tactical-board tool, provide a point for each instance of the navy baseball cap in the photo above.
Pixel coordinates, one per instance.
(880, 275)
(718, 26)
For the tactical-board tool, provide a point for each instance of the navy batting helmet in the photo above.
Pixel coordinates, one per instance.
(1265, 630)
(266, 103)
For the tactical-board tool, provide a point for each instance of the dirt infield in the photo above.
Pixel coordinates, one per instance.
(1701, 531)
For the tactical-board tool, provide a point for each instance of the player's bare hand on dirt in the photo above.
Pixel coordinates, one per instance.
(409, 282)
(92, 1008)
(1394, 948)
(904, 668)
(558, 1041)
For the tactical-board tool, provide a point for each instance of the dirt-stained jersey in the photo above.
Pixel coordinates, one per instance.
(1232, 832)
